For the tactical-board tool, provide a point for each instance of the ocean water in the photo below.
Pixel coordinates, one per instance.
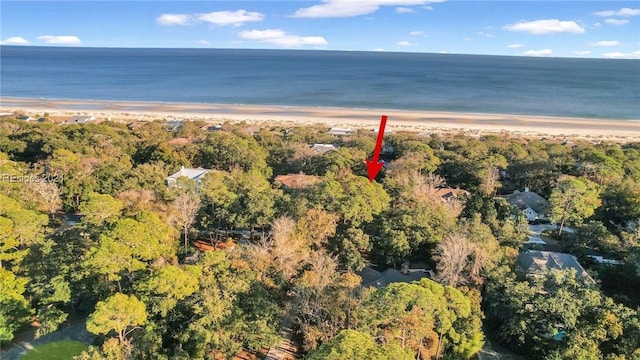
(592, 88)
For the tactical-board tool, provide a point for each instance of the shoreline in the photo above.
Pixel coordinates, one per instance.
(399, 120)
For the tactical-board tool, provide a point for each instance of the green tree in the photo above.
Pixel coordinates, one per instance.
(222, 317)
(130, 246)
(76, 172)
(353, 198)
(10, 254)
(621, 201)
(120, 313)
(422, 316)
(225, 151)
(98, 209)
(14, 308)
(166, 286)
(573, 199)
(351, 344)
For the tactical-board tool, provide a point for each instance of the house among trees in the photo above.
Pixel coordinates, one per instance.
(210, 127)
(539, 263)
(449, 194)
(534, 206)
(79, 119)
(377, 279)
(194, 174)
(25, 118)
(341, 131)
(296, 181)
(323, 148)
(173, 125)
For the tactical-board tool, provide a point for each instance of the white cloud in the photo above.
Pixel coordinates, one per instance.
(515, 46)
(15, 40)
(60, 39)
(417, 33)
(404, 10)
(617, 22)
(233, 18)
(378, 49)
(605, 43)
(545, 52)
(546, 26)
(624, 12)
(597, 24)
(203, 42)
(406, 43)
(262, 34)
(281, 38)
(350, 8)
(582, 53)
(466, 38)
(173, 19)
(428, 7)
(621, 55)
(482, 33)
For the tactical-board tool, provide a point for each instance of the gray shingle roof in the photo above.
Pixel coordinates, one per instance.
(533, 262)
(525, 199)
(371, 277)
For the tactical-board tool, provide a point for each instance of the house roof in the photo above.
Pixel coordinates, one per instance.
(341, 131)
(297, 181)
(528, 199)
(448, 193)
(191, 173)
(323, 148)
(534, 261)
(371, 277)
(80, 119)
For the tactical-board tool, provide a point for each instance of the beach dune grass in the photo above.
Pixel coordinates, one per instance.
(59, 350)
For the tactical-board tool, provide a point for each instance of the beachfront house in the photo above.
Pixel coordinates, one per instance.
(534, 206)
(79, 119)
(190, 173)
(173, 125)
(323, 148)
(341, 131)
(25, 118)
(210, 127)
(536, 263)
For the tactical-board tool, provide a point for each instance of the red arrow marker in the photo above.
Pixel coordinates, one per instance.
(374, 165)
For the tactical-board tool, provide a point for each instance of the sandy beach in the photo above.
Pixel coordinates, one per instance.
(399, 120)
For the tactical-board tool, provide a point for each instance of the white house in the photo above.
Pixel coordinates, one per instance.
(79, 119)
(323, 148)
(341, 131)
(194, 174)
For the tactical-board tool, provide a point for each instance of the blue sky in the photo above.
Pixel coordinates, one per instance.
(598, 29)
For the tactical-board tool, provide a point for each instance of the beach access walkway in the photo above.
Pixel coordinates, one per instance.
(288, 349)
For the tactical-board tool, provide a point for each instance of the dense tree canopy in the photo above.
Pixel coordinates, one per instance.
(298, 255)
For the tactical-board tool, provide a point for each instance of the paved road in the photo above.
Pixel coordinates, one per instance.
(77, 331)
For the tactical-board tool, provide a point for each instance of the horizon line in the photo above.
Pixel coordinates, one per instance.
(310, 50)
